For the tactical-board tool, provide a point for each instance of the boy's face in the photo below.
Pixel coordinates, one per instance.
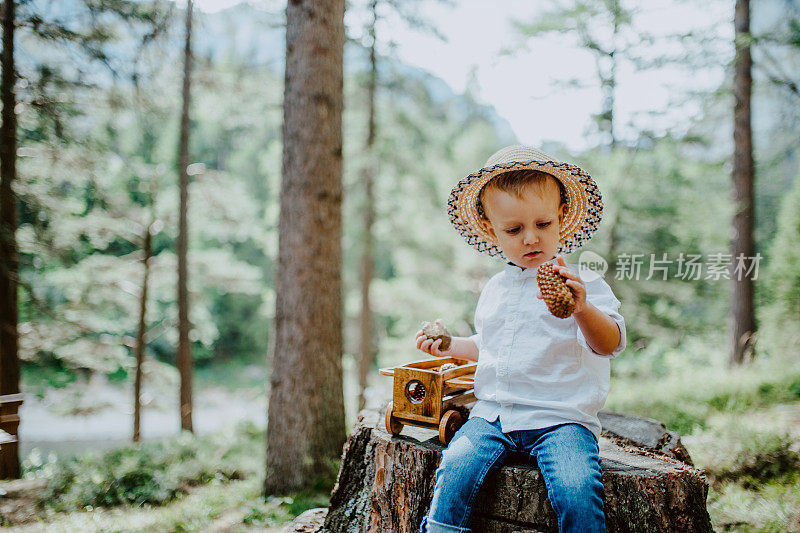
(526, 228)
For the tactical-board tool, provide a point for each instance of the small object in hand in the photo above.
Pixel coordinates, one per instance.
(447, 366)
(436, 331)
(555, 291)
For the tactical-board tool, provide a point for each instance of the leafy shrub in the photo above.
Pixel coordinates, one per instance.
(761, 457)
(152, 472)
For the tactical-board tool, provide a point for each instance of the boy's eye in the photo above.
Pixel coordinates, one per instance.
(543, 224)
(512, 231)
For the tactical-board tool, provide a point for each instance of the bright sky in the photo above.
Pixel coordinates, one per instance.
(522, 87)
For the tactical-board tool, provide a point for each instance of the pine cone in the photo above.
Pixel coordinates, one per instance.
(555, 291)
(436, 331)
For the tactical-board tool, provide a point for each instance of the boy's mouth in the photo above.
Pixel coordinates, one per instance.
(533, 255)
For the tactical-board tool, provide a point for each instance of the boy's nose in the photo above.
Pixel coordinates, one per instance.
(530, 237)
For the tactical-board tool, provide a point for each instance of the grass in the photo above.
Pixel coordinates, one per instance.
(753, 467)
(191, 511)
(741, 425)
(216, 505)
(772, 507)
(186, 483)
(692, 390)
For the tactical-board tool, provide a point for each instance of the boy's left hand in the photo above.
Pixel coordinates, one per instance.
(574, 283)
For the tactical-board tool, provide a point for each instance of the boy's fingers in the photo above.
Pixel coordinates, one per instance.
(567, 273)
(573, 283)
(575, 279)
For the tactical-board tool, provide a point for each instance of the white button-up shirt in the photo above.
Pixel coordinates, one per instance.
(535, 370)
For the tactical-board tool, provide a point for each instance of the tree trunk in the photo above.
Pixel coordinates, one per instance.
(610, 82)
(743, 324)
(9, 259)
(306, 426)
(386, 483)
(184, 359)
(140, 336)
(366, 344)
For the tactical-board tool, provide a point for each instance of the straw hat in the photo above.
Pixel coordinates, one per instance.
(584, 204)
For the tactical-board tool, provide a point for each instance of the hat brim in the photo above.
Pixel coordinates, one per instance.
(583, 214)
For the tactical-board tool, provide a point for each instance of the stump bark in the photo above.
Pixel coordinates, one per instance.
(386, 483)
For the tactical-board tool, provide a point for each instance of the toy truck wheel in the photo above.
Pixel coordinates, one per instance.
(448, 425)
(393, 425)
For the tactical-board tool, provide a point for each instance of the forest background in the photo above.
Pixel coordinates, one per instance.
(97, 158)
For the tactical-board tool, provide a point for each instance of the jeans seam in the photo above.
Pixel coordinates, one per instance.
(552, 500)
(477, 487)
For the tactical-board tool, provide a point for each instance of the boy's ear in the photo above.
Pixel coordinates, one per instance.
(487, 225)
(562, 210)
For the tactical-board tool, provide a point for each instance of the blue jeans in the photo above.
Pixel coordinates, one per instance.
(568, 457)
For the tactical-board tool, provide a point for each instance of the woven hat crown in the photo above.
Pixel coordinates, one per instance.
(516, 152)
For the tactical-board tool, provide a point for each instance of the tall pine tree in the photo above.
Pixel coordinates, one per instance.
(743, 324)
(184, 358)
(9, 258)
(306, 427)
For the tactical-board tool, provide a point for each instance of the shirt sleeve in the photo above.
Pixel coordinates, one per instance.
(600, 295)
(476, 339)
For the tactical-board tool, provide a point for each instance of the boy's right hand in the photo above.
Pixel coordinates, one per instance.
(431, 346)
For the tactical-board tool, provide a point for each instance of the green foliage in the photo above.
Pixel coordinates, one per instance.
(279, 509)
(242, 327)
(151, 472)
(782, 289)
(181, 484)
(659, 204)
(50, 375)
(696, 385)
(85, 209)
(762, 456)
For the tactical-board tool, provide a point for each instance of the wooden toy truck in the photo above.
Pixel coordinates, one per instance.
(426, 396)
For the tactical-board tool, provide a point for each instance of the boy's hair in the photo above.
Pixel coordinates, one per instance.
(516, 181)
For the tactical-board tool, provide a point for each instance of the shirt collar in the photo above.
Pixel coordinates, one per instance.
(515, 271)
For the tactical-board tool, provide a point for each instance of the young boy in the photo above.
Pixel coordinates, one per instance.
(540, 380)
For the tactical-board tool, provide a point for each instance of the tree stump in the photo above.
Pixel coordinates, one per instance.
(386, 483)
